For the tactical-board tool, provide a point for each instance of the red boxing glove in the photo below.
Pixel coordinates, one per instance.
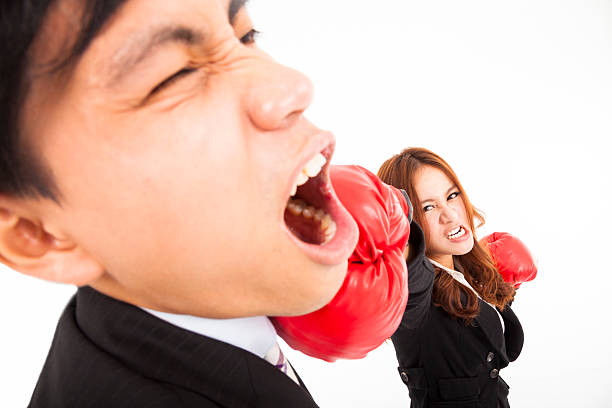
(368, 307)
(511, 257)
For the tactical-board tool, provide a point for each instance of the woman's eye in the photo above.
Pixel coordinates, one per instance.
(250, 37)
(454, 195)
(428, 208)
(171, 79)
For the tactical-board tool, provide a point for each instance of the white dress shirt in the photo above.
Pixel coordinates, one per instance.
(255, 334)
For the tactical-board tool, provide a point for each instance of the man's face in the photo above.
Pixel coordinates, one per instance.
(175, 144)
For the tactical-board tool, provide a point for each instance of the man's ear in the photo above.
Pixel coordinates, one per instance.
(28, 247)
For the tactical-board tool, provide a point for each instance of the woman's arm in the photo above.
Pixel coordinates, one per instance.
(420, 280)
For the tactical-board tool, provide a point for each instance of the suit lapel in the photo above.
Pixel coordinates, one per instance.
(230, 376)
(508, 343)
(490, 326)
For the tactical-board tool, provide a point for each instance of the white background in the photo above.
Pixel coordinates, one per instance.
(517, 96)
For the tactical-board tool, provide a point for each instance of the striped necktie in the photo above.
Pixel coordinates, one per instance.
(276, 357)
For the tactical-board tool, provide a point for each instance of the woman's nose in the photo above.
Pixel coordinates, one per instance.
(277, 96)
(447, 215)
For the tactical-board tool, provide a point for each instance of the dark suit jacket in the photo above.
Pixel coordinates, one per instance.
(110, 354)
(443, 362)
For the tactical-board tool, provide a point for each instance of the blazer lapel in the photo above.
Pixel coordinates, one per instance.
(490, 326)
(228, 375)
(510, 343)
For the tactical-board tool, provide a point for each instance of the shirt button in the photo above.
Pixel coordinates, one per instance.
(494, 373)
(404, 377)
(490, 357)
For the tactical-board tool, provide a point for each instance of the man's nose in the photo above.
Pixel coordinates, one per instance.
(277, 96)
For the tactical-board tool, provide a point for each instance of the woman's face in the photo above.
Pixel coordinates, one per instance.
(446, 224)
(176, 144)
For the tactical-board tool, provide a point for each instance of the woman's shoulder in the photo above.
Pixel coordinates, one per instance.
(420, 281)
(417, 247)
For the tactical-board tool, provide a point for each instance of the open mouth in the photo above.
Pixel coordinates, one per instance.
(307, 212)
(315, 218)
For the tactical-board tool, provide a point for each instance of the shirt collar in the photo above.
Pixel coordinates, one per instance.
(457, 275)
(255, 334)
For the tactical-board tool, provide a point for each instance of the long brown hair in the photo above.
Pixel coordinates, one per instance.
(479, 269)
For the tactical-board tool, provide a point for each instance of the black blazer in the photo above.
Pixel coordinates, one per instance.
(443, 362)
(110, 354)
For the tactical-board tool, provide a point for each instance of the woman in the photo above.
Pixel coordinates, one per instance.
(458, 329)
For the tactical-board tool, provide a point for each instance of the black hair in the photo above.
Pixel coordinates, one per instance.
(21, 173)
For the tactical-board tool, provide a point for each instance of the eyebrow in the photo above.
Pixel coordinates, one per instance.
(135, 52)
(453, 187)
(234, 8)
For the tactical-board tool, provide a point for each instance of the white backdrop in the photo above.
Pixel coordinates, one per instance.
(517, 96)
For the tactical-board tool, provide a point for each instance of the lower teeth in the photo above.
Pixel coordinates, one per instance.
(321, 228)
(456, 234)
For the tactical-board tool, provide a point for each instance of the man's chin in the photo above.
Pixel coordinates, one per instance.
(321, 293)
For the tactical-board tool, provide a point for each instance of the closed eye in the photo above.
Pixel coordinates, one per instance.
(250, 37)
(171, 79)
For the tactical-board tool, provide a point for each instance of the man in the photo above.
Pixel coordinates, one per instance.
(154, 157)
(149, 152)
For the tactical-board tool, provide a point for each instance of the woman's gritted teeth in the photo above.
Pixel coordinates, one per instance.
(456, 233)
(306, 213)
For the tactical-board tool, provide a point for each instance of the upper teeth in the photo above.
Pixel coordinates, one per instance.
(311, 169)
(456, 232)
